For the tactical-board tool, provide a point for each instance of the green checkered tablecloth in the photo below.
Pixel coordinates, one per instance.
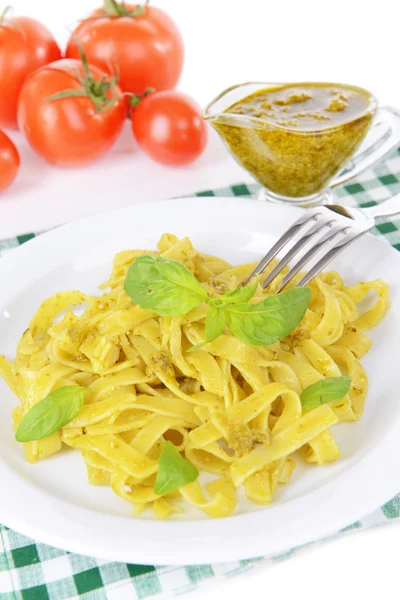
(30, 570)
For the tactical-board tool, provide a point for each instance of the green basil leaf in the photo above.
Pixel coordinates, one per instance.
(174, 471)
(326, 390)
(271, 319)
(165, 286)
(50, 414)
(242, 294)
(215, 325)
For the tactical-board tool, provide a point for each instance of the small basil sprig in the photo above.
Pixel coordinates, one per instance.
(50, 414)
(168, 288)
(174, 471)
(216, 318)
(326, 390)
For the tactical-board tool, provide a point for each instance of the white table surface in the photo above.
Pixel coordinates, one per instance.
(229, 41)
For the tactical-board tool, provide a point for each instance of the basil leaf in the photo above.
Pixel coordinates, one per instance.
(242, 294)
(326, 390)
(215, 325)
(271, 319)
(50, 414)
(173, 471)
(165, 286)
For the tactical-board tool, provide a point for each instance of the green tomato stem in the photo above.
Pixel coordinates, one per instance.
(111, 8)
(96, 91)
(78, 93)
(4, 12)
(135, 99)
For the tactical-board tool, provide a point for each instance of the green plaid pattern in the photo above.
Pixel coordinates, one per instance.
(30, 570)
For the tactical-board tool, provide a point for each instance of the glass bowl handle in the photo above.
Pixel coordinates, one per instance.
(388, 120)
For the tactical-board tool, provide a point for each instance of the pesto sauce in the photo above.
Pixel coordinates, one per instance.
(297, 136)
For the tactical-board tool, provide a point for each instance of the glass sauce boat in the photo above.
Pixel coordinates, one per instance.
(302, 166)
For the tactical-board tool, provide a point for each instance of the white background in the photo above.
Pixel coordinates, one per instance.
(229, 41)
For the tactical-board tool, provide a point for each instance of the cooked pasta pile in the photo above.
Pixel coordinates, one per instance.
(233, 410)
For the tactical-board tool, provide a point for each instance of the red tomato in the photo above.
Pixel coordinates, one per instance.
(9, 161)
(169, 128)
(69, 131)
(25, 45)
(146, 50)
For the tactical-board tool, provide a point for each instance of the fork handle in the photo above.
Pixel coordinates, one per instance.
(389, 208)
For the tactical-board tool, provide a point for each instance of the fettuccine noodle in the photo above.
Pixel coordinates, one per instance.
(233, 410)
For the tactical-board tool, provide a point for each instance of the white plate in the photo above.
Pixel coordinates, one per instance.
(52, 500)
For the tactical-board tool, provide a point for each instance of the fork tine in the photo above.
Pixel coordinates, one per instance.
(309, 255)
(300, 225)
(294, 250)
(317, 268)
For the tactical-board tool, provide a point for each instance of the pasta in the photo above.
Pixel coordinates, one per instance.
(232, 409)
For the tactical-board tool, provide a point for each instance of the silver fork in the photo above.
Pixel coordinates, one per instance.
(320, 234)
